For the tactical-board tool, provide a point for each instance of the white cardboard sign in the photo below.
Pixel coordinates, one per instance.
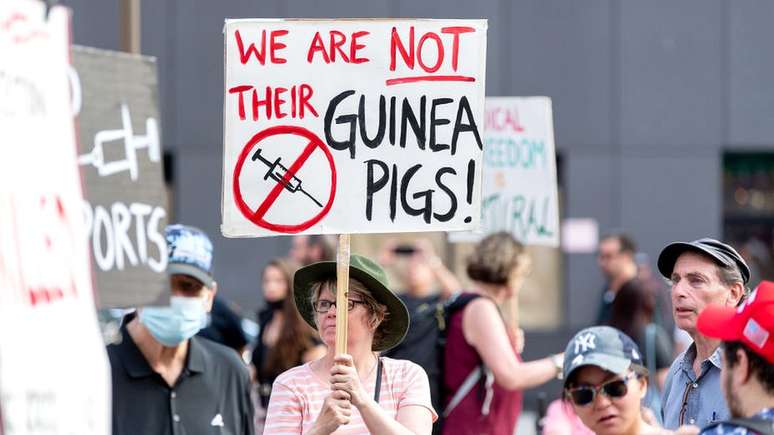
(352, 126)
(54, 376)
(520, 186)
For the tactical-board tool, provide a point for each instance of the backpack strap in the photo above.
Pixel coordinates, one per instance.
(454, 304)
(760, 426)
(470, 381)
(467, 385)
(378, 387)
(458, 301)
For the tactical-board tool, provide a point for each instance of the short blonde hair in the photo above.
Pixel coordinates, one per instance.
(494, 258)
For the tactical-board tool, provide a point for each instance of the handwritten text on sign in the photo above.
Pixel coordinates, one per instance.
(352, 126)
(520, 188)
(120, 158)
(46, 302)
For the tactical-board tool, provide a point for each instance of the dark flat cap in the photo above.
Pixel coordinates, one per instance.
(721, 253)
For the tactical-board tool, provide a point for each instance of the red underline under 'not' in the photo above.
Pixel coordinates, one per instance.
(401, 80)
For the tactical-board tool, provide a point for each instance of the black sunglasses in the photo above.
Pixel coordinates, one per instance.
(585, 394)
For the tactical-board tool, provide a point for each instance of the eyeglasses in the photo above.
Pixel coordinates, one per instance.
(323, 305)
(614, 389)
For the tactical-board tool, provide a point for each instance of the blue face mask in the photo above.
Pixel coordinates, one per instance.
(181, 320)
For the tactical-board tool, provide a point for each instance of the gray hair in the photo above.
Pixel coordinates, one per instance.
(730, 275)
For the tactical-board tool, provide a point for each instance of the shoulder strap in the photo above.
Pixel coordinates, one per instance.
(458, 301)
(470, 381)
(467, 385)
(452, 305)
(445, 309)
(378, 387)
(760, 426)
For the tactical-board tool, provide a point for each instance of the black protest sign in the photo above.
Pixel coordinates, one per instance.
(121, 161)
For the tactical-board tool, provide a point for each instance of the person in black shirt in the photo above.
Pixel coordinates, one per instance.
(166, 380)
(284, 340)
(421, 269)
(616, 262)
(225, 326)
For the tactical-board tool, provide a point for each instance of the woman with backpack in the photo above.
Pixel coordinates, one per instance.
(483, 373)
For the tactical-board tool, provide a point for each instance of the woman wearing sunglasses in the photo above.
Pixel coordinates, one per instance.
(605, 381)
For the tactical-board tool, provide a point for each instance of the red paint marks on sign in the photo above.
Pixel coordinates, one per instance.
(502, 119)
(439, 49)
(260, 53)
(456, 31)
(257, 216)
(337, 40)
(397, 44)
(418, 52)
(37, 34)
(16, 17)
(430, 61)
(272, 102)
(44, 248)
(401, 80)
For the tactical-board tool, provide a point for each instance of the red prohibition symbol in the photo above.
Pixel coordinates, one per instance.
(285, 181)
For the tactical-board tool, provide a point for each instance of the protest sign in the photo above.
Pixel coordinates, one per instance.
(352, 126)
(519, 181)
(54, 376)
(120, 158)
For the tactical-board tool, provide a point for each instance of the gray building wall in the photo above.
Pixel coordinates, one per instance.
(647, 96)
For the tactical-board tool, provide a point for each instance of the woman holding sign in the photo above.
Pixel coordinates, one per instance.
(484, 374)
(357, 392)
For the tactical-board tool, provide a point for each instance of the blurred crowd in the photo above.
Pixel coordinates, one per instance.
(688, 348)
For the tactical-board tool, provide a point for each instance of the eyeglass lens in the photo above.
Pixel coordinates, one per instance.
(322, 306)
(584, 395)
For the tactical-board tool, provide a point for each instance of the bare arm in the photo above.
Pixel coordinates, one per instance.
(448, 280)
(411, 420)
(484, 329)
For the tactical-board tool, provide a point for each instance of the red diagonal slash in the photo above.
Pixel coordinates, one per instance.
(279, 187)
(257, 216)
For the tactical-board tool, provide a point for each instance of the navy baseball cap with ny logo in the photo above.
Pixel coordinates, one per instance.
(190, 253)
(604, 347)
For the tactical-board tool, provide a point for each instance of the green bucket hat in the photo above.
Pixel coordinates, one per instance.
(374, 279)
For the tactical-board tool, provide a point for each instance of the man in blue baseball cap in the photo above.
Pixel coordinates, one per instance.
(702, 272)
(165, 379)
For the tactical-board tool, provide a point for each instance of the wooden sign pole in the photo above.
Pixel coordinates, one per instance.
(342, 293)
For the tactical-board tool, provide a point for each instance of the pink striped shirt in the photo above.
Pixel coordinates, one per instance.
(298, 394)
